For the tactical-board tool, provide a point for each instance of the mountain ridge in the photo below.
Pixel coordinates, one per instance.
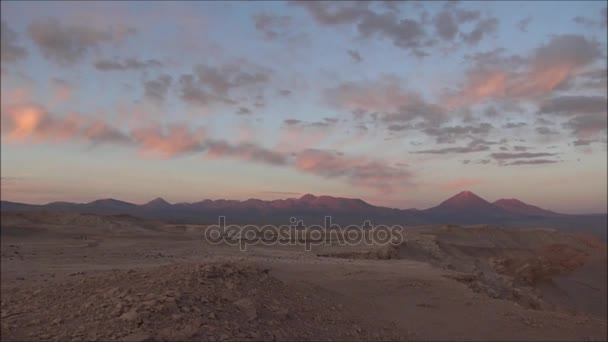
(463, 208)
(516, 206)
(463, 201)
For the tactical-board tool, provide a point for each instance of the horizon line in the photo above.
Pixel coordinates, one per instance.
(287, 198)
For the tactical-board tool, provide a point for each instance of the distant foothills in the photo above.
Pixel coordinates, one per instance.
(463, 208)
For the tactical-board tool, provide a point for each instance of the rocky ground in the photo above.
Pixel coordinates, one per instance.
(86, 277)
(211, 301)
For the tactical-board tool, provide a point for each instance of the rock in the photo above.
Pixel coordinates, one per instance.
(149, 303)
(117, 310)
(283, 312)
(248, 308)
(140, 336)
(130, 316)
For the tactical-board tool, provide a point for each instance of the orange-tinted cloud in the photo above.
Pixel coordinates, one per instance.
(22, 121)
(547, 68)
(169, 141)
(31, 122)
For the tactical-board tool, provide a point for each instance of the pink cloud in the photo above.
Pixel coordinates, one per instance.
(547, 68)
(23, 122)
(168, 142)
(359, 171)
(31, 122)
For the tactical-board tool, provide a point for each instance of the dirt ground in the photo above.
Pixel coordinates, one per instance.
(87, 277)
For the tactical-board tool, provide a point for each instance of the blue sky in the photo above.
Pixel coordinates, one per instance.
(400, 104)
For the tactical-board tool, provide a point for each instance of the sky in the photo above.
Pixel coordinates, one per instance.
(402, 104)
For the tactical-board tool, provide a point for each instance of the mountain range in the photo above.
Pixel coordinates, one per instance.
(462, 208)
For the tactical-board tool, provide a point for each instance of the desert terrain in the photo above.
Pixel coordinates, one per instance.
(74, 276)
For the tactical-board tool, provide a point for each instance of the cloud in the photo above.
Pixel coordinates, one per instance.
(99, 132)
(483, 28)
(157, 89)
(416, 108)
(382, 95)
(478, 161)
(292, 122)
(325, 123)
(398, 127)
(522, 25)
(506, 155)
(511, 125)
(168, 141)
(542, 130)
(244, 111)
(22, 122)
(494, 59)
(192, 92)
(358, 171)
(327, 13)
(445, 25)
(587, 126)
(384, 98)
(463, 15)
(25, 122)
(583, 142)
(127, 64)
(591, 80)
(453, 133)
(285, 92)
(210, 83)
(557, 61)
(65, 44)
(271, 26)
(402, 32)
(245, 151)
(575, 104)
(473, 146)
(592, 23)
(532, 162)
(354, 54)
(549, 67)
(10, 50)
